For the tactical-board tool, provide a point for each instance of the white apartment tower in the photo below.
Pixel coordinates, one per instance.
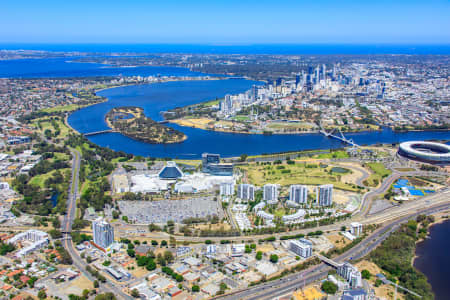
(226, 188)
(246, 191)
(103, 233)
(270, 193)
(324, 195)
(298, 194)
(356, 228)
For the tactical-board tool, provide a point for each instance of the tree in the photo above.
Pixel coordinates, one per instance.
(259, 255)
(163, 243)
(151, 265)
(115, 214)
(243, 157)
(106, 296)
(329, 287)
(274, 258)
(42, 294)
(135, 293)
(168, 256)
(195, 288)
(366, 274)
(96, 284)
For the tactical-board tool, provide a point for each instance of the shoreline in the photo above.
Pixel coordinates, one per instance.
(419, 242)
(179, 123)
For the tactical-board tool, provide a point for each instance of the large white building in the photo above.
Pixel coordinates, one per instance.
(301, 247)
(103, 233)
(295, 217)
(298, 194)
(246, 191)
(324, 195)
(38, 239)
(270, 193)
(226, 188)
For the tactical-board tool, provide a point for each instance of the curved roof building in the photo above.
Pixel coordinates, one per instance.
(426, 151)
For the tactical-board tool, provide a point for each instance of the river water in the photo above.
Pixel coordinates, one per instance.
(433, 259)
(154, 98)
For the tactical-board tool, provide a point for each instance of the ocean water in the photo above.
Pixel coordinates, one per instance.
(64, 67)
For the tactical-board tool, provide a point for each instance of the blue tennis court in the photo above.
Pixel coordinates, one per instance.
(416, 192)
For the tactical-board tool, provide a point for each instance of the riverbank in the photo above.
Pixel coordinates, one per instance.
(432, 259)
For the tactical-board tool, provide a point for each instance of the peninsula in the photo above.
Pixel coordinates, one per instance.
(132, 122)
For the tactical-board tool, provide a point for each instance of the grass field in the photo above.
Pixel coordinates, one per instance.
(299, 173)
(39, 180)
(47, 124)
(330, 155)
(289, 125)
(241, 118)
(379, 172)
(61, 108)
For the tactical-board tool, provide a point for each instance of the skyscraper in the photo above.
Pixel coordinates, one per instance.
(103, 233)
(270, 193)
(298, 194)
(324, 195)
(246, 191)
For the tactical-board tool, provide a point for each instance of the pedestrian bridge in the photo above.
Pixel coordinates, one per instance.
(328, 261)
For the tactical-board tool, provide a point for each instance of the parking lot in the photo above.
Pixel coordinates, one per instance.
(159, 212)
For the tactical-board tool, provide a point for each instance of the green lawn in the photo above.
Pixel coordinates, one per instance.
(46, 124)
(379, 169)
(334, 154)
(379, 172)
(39, 180)
(297, 173)
(62, 108)
(241, 118)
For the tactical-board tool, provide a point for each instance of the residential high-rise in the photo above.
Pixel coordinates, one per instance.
(356, 228)
(324, 195)
(298, 194)
(226, 188)
(103, 233)
(270, 193)
(246, 191)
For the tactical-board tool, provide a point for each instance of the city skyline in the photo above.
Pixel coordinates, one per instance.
(226, 23)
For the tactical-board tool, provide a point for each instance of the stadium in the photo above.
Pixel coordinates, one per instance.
(426, 151)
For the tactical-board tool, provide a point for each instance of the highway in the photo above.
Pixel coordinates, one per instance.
(78, 262)
(288, 284)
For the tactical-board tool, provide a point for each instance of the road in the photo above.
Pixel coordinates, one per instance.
(288, 284)
(78, 262)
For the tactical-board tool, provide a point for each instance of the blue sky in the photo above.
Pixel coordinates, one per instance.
(225, 22)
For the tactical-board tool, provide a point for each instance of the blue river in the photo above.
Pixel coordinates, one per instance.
(433, 259)
(154, 98)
